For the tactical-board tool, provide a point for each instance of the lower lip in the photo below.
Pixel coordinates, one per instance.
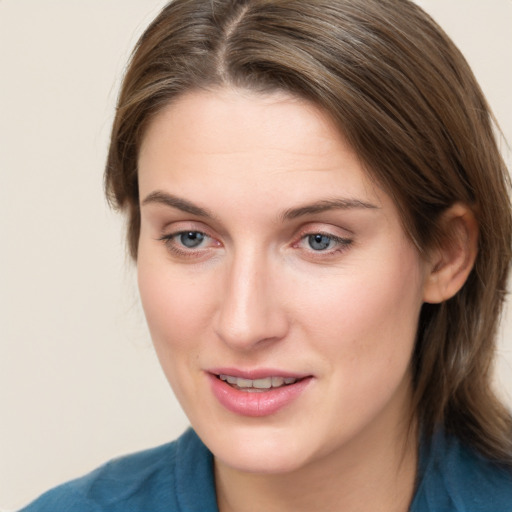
(257, 403)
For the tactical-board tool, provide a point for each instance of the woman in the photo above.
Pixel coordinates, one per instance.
(321, 224)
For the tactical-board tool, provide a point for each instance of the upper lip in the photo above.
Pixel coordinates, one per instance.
(257, 373)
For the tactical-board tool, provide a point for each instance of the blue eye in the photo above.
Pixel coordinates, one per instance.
(191, 239)
(319, 242)
(189, 245)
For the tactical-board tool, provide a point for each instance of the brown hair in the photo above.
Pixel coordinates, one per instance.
(406, 100)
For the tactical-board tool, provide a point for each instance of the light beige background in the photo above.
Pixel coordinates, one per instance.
(79, 382)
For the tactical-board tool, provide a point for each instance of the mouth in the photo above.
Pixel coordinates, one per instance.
(257, 385)
(257, 393)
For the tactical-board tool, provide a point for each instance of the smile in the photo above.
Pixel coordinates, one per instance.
(266, 393)
(257, 385)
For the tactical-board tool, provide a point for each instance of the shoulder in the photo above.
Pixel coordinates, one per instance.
(454, 477)
(476, 483)
(122, 480)
(168, 477)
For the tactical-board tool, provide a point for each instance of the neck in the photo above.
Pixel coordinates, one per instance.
(376, 472)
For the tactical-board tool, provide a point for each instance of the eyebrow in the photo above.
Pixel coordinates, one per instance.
(166, 199)
(160, 197)
(326, 205)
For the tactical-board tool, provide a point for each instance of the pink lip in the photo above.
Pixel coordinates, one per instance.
(259, 373)
(255, 404)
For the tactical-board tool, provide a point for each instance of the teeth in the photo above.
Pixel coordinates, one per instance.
(256, 384)
(278, 381)
(262, 383)
(244, 383)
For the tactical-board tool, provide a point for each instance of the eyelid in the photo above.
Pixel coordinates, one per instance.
(341, 237)
(174, 234)
(342, 242)
(170, 235)
(322, 228)
(176, 227)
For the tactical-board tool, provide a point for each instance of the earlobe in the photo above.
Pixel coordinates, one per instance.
(451, 262)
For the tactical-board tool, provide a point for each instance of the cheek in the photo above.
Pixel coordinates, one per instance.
(177, 306)
(365, 329)
(366, 321)
(177, 312)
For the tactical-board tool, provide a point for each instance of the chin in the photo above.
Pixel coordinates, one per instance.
(263, 449)
(260, 460)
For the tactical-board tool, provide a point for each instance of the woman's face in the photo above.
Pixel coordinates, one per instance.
(280, 289)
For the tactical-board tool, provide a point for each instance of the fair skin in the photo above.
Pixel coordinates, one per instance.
(266, 251)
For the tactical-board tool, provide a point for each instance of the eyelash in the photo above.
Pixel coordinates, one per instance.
(170, 242)
(342, 244)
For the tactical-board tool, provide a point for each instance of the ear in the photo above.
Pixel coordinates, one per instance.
(451, 262)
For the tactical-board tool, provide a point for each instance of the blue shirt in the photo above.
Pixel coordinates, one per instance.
(178, 477)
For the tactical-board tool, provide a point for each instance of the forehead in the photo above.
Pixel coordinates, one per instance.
(242, 119)
(243, 141)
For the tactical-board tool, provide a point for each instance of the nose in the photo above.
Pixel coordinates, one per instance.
(251, 312)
